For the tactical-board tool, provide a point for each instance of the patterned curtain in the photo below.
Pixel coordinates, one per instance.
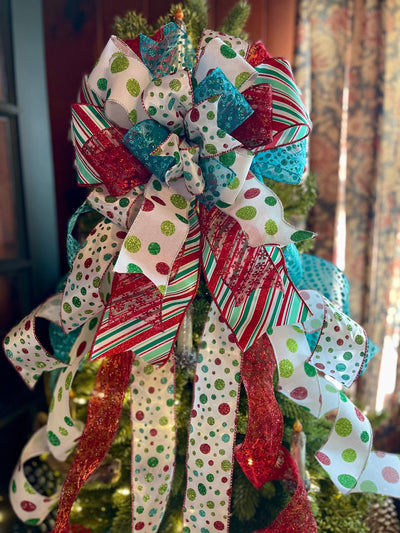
(347, 63)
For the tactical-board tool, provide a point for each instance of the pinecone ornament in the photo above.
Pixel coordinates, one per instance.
(382, 516)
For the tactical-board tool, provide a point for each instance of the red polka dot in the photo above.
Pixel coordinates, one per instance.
(322, 458)
(18, 369)
(221, 319)
(224, 408)
(359, 414)
(380, 454)
(320, 366)
(211, 462)
(194, 115)
(151, 390)
(166, 468)
(339, 342)
(27, 325)
(299, 393)
(162, 268)
(148, 205)
(193, 414)
(218, 361)
(252, 193)
(28, 507)
(305, 295)
(88, 262)
(153, 432)
(139, 525)
(224, 479)
(390, 474)
(320, 306)
(219, 525)
(205, 448)
(121, 234)
(158, 200)
(110, 214)
(24, 350)
(139, 415)
(231, 337)
(95, 295)
(336, 328)
(81, 348)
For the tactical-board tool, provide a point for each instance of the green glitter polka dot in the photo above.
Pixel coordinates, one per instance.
(163, 421)
(134, 268)
(53, 439)
(271, 200)
(364, 436)
(210, 504)
(14, 486)
(178, 201)
(154, 248)
(349, 455)
(133, 116)
(286, 368)
(191, 494)
(211, 149)
(202, 489)
(175, 85)
(132, 244)
(234, 184)
(63, 431)
(343, 427)
(167, 228)
(270, 227)
(241, 78)
(227, 51)
(300, 235)
(246, 213)
(368, 486)
(226, 465)
(68, 381)
(347, 481)
(310, 370)
(292, 345)
(152, 462)
(119, 64)
(211, 115)
(68, 421)
(102, 84)
(67, 308)
(219, 384)
(228, 159)
(152, 110)
(32, 521)
(359, 339)
(133, 87)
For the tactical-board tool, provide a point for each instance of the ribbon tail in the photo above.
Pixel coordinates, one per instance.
(297, 516)
(104, 412)
(258, 453)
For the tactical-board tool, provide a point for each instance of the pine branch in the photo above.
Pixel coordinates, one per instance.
(131, 25)
(236, 19)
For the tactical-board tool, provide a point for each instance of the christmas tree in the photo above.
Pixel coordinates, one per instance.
(215, 382)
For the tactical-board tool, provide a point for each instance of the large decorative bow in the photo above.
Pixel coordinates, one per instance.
(174, 148)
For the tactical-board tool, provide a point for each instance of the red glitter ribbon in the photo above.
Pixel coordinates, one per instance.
(261, 455)
(119, 170)
(102, 422)
(243, 268)
(297, 516)
(258, 453)
(257, 129)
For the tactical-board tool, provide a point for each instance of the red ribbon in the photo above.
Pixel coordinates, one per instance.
(102, 422)
(262, 456)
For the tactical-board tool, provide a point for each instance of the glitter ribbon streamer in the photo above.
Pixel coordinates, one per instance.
(102, 422)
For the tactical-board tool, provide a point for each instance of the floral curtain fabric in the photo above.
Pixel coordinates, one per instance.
(347, 63)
